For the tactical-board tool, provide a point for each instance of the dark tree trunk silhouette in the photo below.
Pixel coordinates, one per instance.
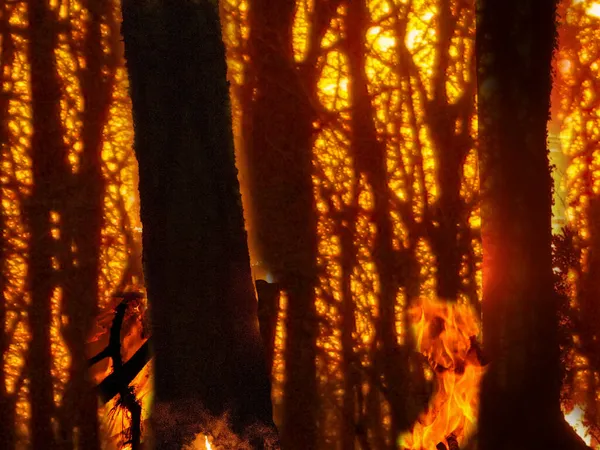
(346, 231)
(82, 211)
(451, 147)
(589, 313)
(520, 392)
(369, 156)
(208, 354)
(48, 165)
(7, 400)
(278, 138)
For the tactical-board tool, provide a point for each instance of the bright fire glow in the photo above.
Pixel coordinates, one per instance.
(576, 129)
(399, 97)
(399, 93)
(201, 442)
(119, 247)
(594, 10)
(575, 419)
(444, 335)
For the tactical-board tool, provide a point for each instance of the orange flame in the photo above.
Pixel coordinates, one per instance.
(202, 442)
(446, 334)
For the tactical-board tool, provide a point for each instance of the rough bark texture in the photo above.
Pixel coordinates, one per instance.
(208, 355)
(520, 392)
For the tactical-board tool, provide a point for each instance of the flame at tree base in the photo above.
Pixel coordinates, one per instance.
(202, 442)
(446, 335)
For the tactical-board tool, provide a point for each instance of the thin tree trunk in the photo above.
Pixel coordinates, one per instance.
(48, 162)
(7, 403)
(208, 355)
(268, 309)
(451, 150)
(520, 392)
(350, 366)
(369, 158)
(589, 309)
(82, 211)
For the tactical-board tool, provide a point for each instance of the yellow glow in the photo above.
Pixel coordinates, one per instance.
(398, 97)
(593, 10)
(577, 125)
(454, 407)
(121, 215)
(576, 420)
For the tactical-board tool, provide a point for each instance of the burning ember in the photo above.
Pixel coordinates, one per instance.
(200, 443)
(446, 335)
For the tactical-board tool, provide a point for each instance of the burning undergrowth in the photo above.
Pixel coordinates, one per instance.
(446, 334)
(198, 430)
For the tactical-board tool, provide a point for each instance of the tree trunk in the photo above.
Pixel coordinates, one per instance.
(7, 401)
(269, 297)
(278, 138)
(349, 364)
(520, 392)
(370, 159)
(82, 211)
(48, 164)
(589, 313)
(451, 148)
(208, 355)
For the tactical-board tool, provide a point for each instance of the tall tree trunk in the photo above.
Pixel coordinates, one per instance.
(278, 146)
(269, 300)
(7, 401)
(208, 355)
(82, 212)
(350, 367)
(451, 148)
(48, 163)
(589, 310)
(369, 156)
(520, 392)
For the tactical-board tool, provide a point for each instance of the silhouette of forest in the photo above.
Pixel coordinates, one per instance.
(404, 193)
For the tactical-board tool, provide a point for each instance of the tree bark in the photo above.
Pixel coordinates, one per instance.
(520, 392)
(208, 355)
